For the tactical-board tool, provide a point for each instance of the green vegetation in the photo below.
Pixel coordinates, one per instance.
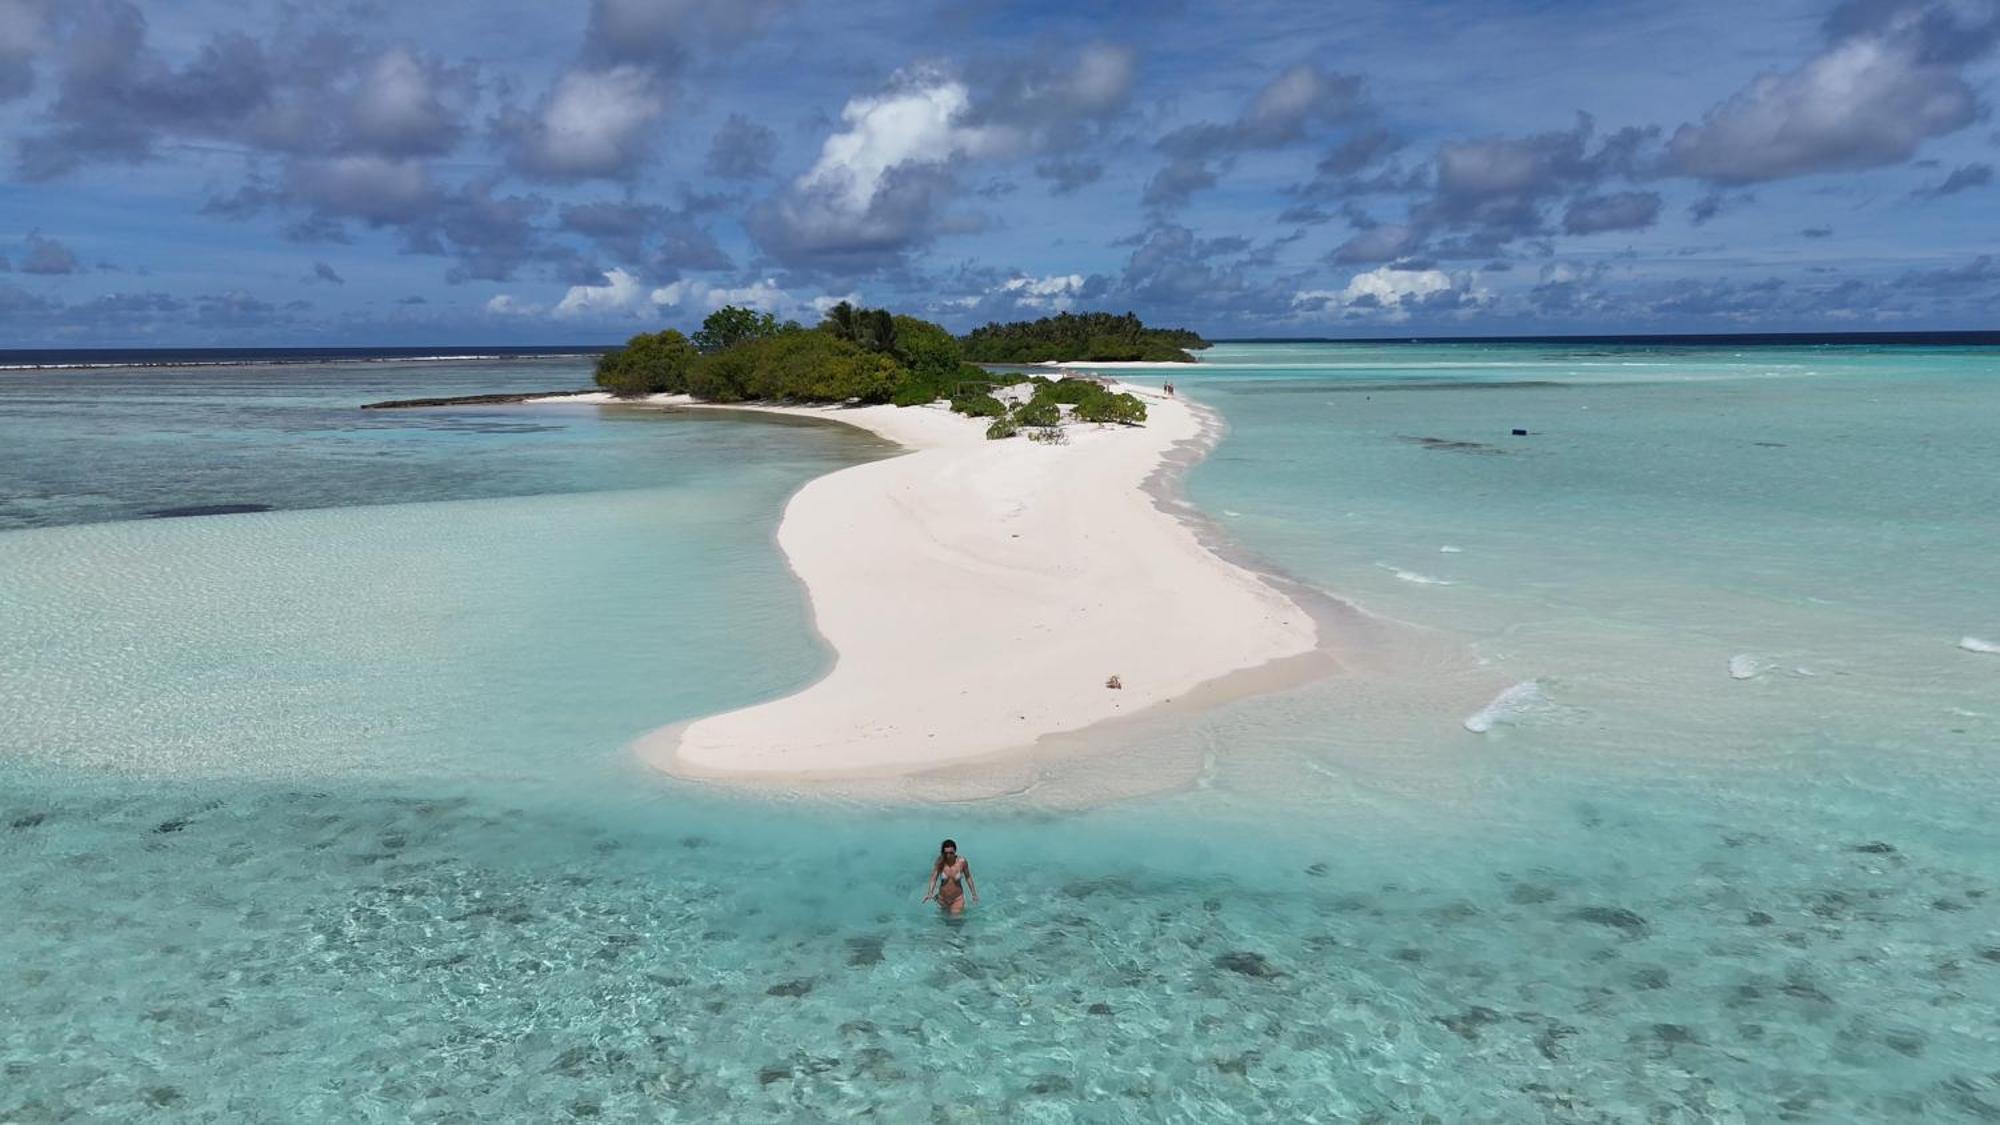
(978, 404)
(855, 355)
(868, 356)
(1088, 400)
(796, 367)
(1038, 412)
(729, 326)
(650, 363)
(1080, 337)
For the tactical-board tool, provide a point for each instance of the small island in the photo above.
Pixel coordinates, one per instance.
(867, 357)
(985, 601)
(1081, 338)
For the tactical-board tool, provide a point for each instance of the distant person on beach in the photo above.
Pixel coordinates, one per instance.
(947, 874)
(1170, 390)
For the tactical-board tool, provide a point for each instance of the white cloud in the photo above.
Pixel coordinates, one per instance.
(503, 304)
(1058, 291)
(404, 106)
(918, 123)
(620, 295)
(1388, 293)
(1862, 103)
(594, 123)
(374, 189)
(764, 296)
(881, 183)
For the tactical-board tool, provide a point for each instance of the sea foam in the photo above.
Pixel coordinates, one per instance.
(1743, 666)
(1413, 576)
(1507, 707)
(1974, 644)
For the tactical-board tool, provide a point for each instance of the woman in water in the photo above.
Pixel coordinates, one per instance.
(947, 874)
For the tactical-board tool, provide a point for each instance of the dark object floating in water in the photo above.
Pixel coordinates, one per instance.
(1769, 444)
(1450, 446)
(1249, 964)
(1874, 847)
(1466, 1025)
(1675, 1033)
(1615, 916)
(173, 825)
(30, 820)
(1100, 1009)
(790, 988)
(206, 510)
(864, 951)
(1520, 432)
(468, 400)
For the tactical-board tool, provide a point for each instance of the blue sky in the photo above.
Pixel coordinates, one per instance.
(215, 174)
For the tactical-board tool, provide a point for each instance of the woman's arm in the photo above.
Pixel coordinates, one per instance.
(968, 882)
(930, 886)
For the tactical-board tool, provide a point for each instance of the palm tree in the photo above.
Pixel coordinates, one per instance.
(843, 320)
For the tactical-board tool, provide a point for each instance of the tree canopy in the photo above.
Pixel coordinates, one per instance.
(872, 355)
(741, 355)
(648, 364)
(1082, 337)
(731, 325)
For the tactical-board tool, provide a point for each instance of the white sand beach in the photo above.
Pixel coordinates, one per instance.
(978, 595)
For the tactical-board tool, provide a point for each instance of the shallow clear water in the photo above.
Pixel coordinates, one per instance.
(323, 812)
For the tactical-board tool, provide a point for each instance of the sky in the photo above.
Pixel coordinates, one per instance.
(209, 174)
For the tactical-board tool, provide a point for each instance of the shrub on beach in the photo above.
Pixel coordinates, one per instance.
(1123, 409)
(1038, 412)
(978, 405)
(1002, 427)
(649, 363)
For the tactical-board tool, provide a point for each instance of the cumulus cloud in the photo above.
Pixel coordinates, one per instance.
(118, 96)
(1625, 210)
(1391, 293)
(764, 295)
(621, 294)
(1981, 271)
(1714, 203)
(602, 116)
(881, 183)
(1889, 78)
(662, 33)
(621, 227)
(48, 257)
(1050, 294)
(1962, 178)
(408, 104)
(1379, 242)
(1482, 194)
(1287, 110)
(1059, 107)
(23, 30)
(593, 124)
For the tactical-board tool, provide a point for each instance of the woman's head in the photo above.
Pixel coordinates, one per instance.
(948, 849)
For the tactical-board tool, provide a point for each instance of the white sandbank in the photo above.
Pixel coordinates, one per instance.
(978, 594)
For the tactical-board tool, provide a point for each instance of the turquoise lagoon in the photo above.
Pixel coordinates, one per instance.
(322, 812)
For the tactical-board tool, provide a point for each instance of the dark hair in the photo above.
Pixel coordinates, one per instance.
(939, 865)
